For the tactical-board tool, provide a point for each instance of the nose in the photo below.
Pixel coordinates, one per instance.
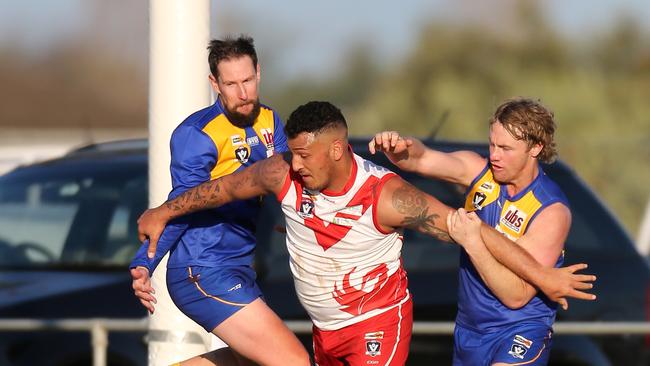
(495, 155)
(243, 95)
(296, 164)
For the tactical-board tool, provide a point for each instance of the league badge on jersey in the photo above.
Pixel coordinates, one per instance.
(517, 351)
(373, 348)
(306, 208)
(519, 346)
(242, 154)
(478, 200)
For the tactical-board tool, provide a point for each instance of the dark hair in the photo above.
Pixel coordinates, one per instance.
(229, 48)
(530, 121)
(314, 117)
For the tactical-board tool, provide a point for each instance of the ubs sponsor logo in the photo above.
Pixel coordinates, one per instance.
(514, 218)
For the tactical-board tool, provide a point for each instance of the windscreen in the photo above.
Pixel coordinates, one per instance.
(69, 217)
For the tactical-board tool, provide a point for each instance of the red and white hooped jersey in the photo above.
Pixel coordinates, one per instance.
(345, 267)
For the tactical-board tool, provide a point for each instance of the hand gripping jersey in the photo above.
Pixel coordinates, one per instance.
(345, 268)
(204, 147)
(478, 308)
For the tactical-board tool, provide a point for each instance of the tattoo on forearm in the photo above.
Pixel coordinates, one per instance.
(413, 205)
(204, 196)
(267, 174)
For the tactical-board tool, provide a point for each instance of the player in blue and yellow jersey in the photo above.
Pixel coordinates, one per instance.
(209, 273)
(502, 319)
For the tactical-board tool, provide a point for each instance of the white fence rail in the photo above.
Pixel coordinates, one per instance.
(99, 329)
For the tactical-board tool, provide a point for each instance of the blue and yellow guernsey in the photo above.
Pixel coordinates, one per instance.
(207, 146)
(478, 308)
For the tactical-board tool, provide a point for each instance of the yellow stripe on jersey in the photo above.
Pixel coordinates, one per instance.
(229, 138)
(484, 192)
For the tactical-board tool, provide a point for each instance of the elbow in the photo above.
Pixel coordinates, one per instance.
(515, 303)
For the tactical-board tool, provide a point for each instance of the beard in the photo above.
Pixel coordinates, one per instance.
(243, 120)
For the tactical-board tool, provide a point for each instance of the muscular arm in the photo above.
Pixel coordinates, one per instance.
(263, 177)
(544, 240)
(532, 258)
(410, 154)
(402, 205)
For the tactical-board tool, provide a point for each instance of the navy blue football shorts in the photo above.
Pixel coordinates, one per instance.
(210, 295)
(522, 344)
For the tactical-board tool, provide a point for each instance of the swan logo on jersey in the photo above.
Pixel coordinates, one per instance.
(306, 208)
(514, 218)
(373, 348)
(242, 154)
(478, 200)
(363, 294)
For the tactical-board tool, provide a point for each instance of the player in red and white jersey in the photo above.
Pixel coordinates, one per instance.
(344, 216)
(346, 267)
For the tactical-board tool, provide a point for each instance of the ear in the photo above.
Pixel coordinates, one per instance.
(535, 150)
(214, 83)
(337, 149)
(259, 75)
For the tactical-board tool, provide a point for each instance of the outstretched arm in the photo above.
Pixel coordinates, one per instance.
(410, 154)
(263, 177)
(402, 205)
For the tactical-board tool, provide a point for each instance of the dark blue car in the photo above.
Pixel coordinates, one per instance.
(68, 231)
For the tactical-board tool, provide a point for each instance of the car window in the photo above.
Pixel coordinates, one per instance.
(50, 218)
(593, 228)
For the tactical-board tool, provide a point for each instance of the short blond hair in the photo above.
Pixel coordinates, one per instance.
(530, 121)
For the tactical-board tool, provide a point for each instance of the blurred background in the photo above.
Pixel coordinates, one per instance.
(74, 72)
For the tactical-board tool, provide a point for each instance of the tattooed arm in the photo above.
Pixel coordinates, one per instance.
(402, 205)
(263, 177)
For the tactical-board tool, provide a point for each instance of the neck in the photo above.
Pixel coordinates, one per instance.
(342, 173)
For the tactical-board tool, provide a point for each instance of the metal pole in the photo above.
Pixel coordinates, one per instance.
(643, 239)
(178, 85)
(99, 341)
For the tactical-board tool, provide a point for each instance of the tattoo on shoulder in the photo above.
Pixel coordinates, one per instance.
(410, 202)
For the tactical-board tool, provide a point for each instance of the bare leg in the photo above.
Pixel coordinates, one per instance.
(258, 334)
(220, 357)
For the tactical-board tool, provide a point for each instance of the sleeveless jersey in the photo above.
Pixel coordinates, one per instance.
(478, 308)
(345, 268)
(204, 147)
